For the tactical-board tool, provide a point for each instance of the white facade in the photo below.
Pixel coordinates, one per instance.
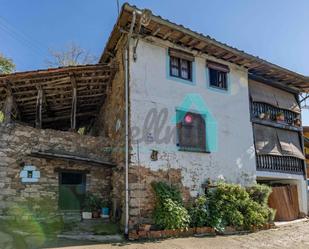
(151, 87)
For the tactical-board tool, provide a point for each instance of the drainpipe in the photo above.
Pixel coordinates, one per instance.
(126, 56)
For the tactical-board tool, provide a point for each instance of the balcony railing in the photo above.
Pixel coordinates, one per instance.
(282, 164)
(258, 108)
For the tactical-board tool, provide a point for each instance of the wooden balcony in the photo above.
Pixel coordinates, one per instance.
(270, 112)
(281, 164)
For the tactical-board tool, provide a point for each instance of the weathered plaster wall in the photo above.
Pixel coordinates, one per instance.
(150, 87)
(16, 144)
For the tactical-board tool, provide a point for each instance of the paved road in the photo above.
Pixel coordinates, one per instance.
(294, 235)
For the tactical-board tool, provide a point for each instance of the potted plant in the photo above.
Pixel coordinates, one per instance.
(262, 115)
(267, 115)
(280, 117)
(297, 122)
(86, 211)
(91, 204)
(105, 208)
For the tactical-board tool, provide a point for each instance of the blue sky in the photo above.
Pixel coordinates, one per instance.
(275, 30)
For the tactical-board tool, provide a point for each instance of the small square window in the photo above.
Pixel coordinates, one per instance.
(29, 174)
(180, 68)
(191, 130)
(217, 79)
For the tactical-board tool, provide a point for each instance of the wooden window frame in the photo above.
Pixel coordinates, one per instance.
(217, 68)
(180, 61)
(201, 146)
(225, 83)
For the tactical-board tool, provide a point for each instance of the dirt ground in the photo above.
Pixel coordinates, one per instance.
(289, 236)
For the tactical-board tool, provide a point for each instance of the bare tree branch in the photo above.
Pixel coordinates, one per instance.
(73, 55)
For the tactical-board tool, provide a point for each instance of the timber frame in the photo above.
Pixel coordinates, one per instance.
(184, 37)
(61, 98)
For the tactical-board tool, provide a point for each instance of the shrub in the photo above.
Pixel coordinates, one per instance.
(169, 212)
(232, 205)
(259, 193)
(163, 191)
(198, 212)
(34, 216)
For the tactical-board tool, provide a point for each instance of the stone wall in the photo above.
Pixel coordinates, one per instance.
(16, 144)
(111, 124)
(142, 198)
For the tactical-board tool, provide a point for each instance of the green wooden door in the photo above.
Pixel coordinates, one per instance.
(72, 190)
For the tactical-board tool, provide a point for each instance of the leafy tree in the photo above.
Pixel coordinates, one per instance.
(6, 65)
(72, 55)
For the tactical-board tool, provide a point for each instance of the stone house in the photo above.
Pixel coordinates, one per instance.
(164, 103)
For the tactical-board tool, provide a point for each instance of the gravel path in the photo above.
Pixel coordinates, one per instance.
(294, 235)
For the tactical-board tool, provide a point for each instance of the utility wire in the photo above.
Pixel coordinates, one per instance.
(21, 37)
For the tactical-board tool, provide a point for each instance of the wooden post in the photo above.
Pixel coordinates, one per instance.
(39, 104)
(8, 109)
(9, 102)
(74, 102)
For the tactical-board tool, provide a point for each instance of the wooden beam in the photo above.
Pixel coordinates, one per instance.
(156, 31)
(8, 107)
(14, 107)
(39, 105)
(74, 102)
(84, 114)
(78, 158)
(167, 34)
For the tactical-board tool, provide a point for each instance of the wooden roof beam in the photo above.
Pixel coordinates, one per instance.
(156, 31)
(74, 102)
(39, 107)
(167, 35)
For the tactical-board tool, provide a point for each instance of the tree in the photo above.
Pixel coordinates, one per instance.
(6, 65)
(72, 55)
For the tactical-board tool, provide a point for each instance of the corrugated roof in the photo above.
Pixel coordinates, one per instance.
(178, 34)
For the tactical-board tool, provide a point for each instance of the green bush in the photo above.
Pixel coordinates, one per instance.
(169, 211)
(163, 191)
(198, 212)
(36, 215)
(232, 205)
(259, 193)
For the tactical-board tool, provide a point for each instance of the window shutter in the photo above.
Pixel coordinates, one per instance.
(191, 136)
(217, 66)
(181, 54)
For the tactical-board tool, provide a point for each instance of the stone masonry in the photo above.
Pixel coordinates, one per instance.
(18, 141)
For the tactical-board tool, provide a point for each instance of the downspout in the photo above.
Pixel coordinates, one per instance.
(126, 56)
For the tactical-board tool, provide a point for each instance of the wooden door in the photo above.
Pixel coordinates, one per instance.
(72, 188)
(284, 200)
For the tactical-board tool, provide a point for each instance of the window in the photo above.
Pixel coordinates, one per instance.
(29, 174)
(218, 75)
(180, 64)
(191, 132)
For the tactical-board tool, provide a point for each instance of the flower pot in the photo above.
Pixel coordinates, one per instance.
(105, 212)
(95, 214)
(297, 122)
(280, 118)
(267, 116)
(86, 215)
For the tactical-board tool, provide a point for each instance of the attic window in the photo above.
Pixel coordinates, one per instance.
(218, 75)
(181, 64)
